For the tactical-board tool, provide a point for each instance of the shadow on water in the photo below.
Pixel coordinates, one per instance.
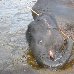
(32, 61)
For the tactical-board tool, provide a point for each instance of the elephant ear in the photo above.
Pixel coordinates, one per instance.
(28, 33)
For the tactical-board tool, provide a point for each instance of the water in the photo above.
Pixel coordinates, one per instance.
(14, 19)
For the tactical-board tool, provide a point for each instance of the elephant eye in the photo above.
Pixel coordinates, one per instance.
(40, 42)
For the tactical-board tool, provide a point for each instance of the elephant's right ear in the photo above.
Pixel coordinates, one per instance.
(28, 32)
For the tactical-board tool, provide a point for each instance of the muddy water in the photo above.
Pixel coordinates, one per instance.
(14, 19)
(67, 68)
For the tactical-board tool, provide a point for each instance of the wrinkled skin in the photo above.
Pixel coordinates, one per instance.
(63, 8)
(43, 36)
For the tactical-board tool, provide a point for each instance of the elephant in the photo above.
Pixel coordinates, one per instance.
(50, 48)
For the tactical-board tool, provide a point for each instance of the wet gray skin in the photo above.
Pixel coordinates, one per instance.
(63, 8)
(44, 38)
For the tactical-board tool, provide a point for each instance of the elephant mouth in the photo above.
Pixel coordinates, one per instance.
(61, 50)
(62, 56)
